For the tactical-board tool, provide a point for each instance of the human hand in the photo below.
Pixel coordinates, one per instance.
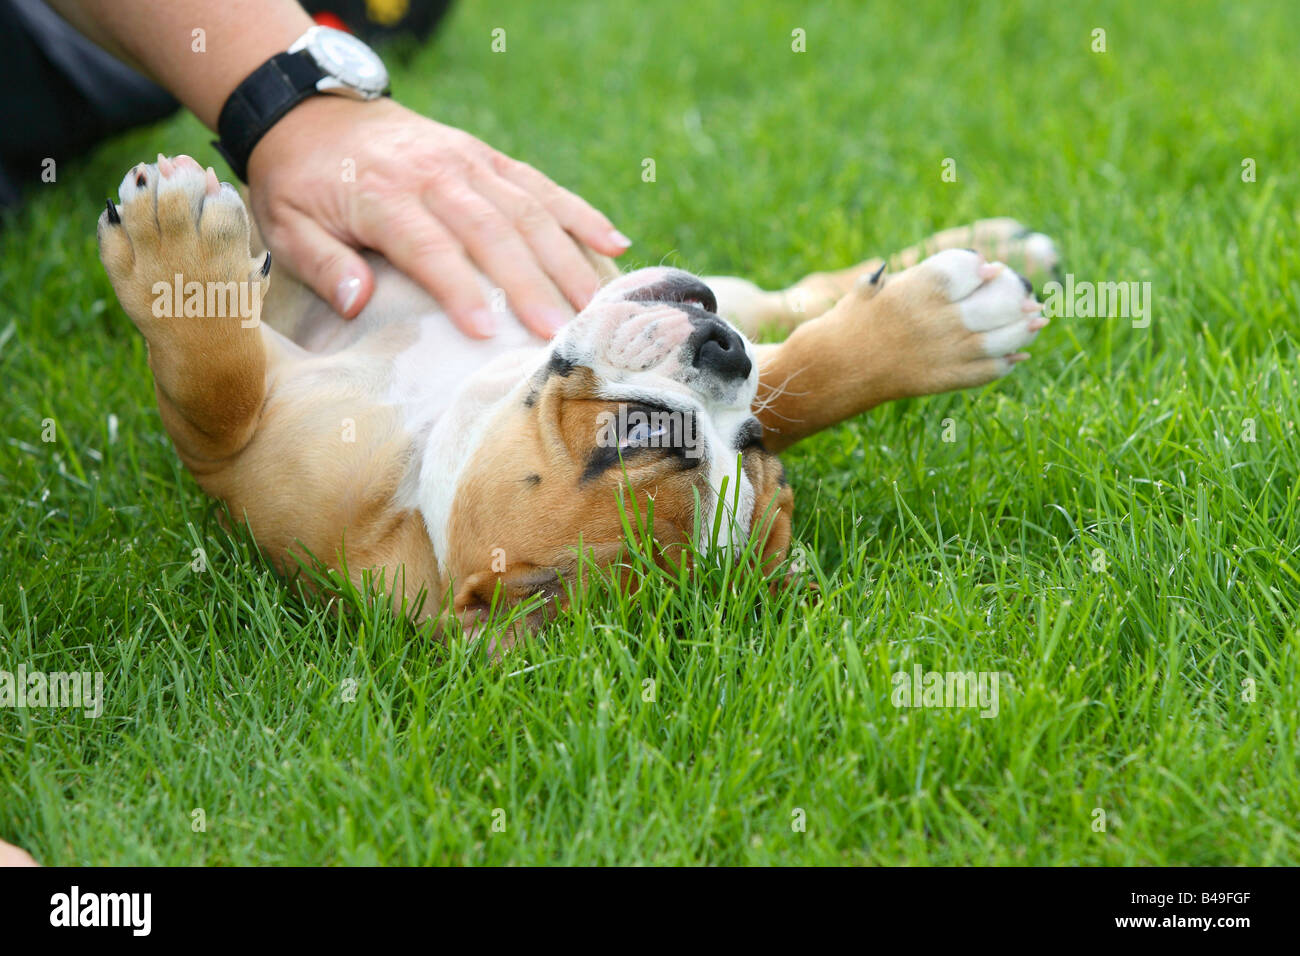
(436, 202)
(10, 855)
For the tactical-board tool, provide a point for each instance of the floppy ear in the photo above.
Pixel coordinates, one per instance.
(476, 594)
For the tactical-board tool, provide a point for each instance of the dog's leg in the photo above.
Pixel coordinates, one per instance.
(755, 311)
(953, 321)
(176, 249)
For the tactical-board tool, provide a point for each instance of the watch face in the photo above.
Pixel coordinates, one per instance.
(344, 56)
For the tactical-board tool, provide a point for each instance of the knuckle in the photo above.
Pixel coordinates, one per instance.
(484, 220)
(430, 245)
(530, 215)
(374, 179)
(504, 165)
(441, 167)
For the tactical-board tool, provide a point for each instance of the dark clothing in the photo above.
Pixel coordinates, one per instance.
(60, 94)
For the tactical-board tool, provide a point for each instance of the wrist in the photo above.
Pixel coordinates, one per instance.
(320, 62)
(208, 90)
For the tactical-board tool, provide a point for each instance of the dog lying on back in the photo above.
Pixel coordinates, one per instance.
(468, 472)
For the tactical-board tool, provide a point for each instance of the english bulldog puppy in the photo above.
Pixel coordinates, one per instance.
(466, 474)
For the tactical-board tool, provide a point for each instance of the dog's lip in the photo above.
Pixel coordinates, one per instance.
(749, 434)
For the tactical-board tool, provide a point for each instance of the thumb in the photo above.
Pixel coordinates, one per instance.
(334, 270)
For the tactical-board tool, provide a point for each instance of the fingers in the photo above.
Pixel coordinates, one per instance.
(332, 268)
(12, 856)
(554, 249)
(413, 240)
(449, 211)
(572, 212)
(498, 248)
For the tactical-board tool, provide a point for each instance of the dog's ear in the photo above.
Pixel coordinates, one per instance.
(773, 508)
(480, 592)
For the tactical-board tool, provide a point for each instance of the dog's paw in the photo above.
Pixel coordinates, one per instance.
(174, 223)
(1001, 240)
(955, 320)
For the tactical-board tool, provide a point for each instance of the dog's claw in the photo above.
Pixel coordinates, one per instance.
(266, 266)
(113, 218)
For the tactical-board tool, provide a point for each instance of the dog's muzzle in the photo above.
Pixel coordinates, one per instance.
(719, 350)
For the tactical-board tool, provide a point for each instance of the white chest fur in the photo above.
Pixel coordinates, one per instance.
(448, 387)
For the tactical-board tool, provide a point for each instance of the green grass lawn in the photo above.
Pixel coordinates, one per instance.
(1102, 532)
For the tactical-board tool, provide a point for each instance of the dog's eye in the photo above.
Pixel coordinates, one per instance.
(642, 435)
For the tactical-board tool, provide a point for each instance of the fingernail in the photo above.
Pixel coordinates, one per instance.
(618, 239)
(483, 321)
(346, 294)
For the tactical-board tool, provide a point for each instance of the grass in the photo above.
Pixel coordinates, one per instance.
(1101, 531)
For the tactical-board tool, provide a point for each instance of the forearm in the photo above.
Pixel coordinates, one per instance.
(158, 38)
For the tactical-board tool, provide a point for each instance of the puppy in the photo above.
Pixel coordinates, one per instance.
(467, 474)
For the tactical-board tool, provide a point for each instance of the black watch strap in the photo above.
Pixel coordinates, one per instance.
(270, 91)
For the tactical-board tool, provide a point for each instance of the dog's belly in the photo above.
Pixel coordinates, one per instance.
(428, 374)
(429, 360)
(436, 359)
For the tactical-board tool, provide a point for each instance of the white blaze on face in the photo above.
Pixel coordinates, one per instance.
(636, 350)
(732, 500)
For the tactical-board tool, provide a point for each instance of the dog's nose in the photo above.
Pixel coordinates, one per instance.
(719, 349)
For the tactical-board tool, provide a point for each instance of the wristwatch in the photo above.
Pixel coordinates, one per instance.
(322, 60)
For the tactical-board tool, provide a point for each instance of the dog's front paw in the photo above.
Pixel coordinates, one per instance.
(954, 320)
(175, 224)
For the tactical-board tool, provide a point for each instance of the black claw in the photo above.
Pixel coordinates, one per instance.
(113, 218)
(1029, 286)
(875, 276)
(266, 266)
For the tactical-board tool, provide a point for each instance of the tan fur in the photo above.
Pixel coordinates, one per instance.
(873, 346)
(257, 421)
(523, 507)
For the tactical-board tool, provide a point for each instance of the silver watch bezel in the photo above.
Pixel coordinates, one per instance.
(341, 77)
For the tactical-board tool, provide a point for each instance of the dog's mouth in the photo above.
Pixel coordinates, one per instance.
(657, 330)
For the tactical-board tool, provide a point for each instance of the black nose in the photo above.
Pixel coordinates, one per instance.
(719, 349)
